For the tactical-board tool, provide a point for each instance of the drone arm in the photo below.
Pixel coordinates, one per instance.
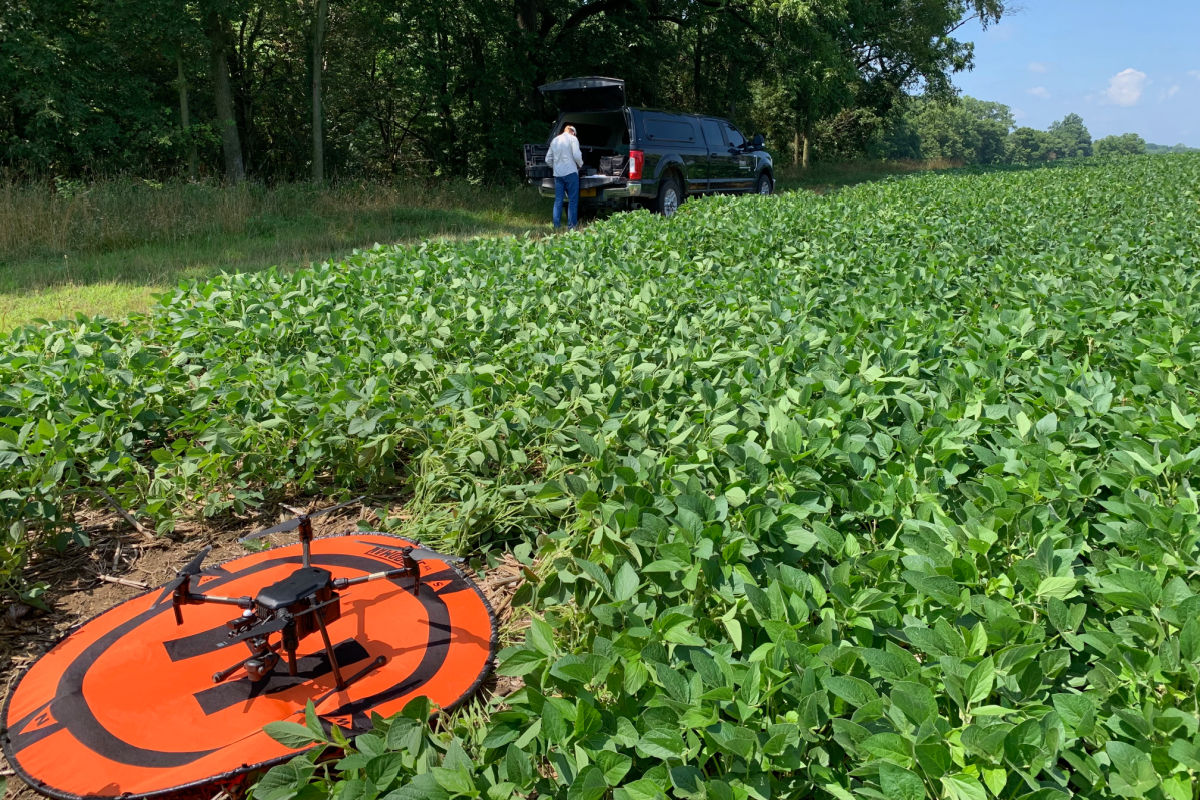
(184, 596)
(197, 598)
(342, 583)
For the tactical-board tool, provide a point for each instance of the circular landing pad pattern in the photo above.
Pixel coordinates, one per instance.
(125, 705)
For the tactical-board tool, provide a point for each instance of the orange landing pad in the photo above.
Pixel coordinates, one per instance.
(125, 705)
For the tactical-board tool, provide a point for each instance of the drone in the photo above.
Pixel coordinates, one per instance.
(304, 603)
(345, 627)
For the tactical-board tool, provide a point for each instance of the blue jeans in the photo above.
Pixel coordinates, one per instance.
(570, 185)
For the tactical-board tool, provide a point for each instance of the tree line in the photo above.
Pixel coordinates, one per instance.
(307, 89)
(971, 131)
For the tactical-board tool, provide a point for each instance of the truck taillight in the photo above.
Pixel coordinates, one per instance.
(636, 159)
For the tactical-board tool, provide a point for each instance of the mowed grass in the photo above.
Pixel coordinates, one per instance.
(108, 247)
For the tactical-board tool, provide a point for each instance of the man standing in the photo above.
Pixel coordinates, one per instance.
(565, 158)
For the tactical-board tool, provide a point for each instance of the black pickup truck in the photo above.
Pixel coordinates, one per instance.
(644, 156)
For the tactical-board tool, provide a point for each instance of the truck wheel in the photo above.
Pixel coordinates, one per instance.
(669, 196)
(764, 184)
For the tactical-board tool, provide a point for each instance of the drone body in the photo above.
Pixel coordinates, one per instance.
(147, 699)
(295, 607)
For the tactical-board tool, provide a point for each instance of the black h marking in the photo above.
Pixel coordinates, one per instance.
(231, 693)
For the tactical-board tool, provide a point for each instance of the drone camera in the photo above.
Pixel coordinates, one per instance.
(259, 668)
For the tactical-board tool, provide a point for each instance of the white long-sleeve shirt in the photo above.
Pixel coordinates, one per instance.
(564, 155)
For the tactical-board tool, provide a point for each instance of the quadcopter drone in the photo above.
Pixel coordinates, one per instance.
(365, 621)
(301, 604)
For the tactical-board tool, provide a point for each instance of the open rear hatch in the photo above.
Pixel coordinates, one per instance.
(595, 105)
(586, 94)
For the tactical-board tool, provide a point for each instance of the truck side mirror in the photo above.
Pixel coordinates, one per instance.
(758, 141)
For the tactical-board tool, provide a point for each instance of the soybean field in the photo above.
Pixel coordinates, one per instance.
(889, 493)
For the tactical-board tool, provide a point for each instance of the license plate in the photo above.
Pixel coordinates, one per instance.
(587, 192)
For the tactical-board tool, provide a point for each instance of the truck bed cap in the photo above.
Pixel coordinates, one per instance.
(591, 93)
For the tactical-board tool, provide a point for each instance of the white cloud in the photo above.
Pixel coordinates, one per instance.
(1040, 91)
(1195, 73)
(1039, 67)
(1126, 87)
(1169, 93)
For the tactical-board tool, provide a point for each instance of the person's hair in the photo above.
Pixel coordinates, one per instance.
(569, 129)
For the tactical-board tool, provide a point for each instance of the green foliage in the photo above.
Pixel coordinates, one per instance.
(1026, 145)
(442, 89)
(1070, 138)
(967, 130)
(1172, 148)
(887, 493)
(1127, 144)
(971, 132)
(108, 247)
(81, 92)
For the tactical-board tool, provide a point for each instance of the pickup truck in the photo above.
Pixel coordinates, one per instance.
(640, 156)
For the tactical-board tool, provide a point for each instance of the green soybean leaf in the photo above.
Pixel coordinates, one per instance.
(979, 681)
(626, 582)
(898, 783)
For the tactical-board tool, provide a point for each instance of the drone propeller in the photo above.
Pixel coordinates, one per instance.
(294, 522)
(421, 552)
(185, 574)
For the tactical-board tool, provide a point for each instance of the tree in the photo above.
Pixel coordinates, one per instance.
(1171, 148)
(1028, 146)
(320, 14)
(1127, 144)
(901, 45)
(219, 31)
(847, 64)
(966, 130)
(80, 90)
(805, 82)
(1070, 138)
(448, 88)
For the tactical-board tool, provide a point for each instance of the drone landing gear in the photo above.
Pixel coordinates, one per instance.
(341, 684)
(262, 667)
(375, 664)
(303, 603)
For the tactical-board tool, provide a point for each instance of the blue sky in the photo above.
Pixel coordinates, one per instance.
(1124, 67)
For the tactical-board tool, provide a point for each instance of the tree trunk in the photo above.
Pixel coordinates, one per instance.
(318, 71)
(804, 155)
(796, 146)
(231, 144)
(185, 117)
(453, 149)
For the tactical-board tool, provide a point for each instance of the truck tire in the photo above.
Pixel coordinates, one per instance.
(670, 196)
(764, 185)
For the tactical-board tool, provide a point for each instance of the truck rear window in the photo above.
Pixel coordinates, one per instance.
(673, 130)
